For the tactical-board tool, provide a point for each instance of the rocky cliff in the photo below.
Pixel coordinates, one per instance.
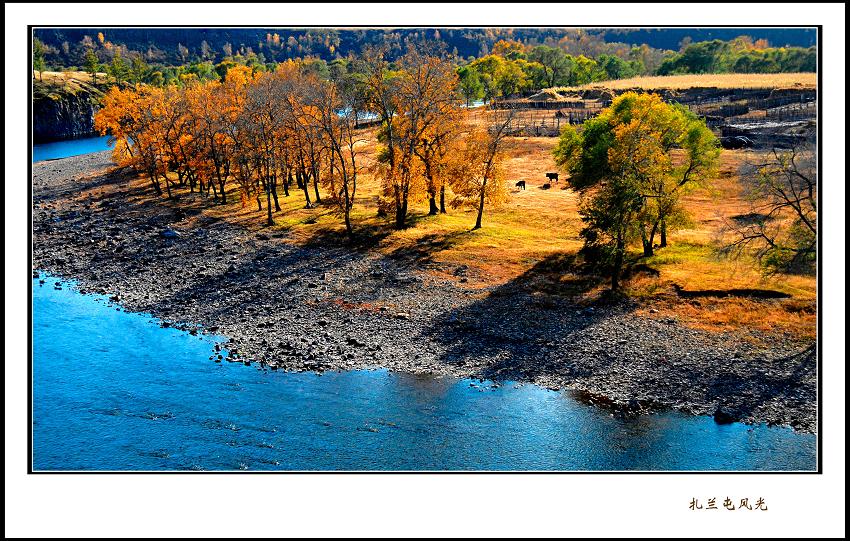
(64, 109)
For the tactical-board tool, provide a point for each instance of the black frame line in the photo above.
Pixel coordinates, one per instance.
(819, 345)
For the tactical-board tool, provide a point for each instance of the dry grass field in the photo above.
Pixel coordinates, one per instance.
(710, 80)
(68, 82)
(534, 237)
(59, 78)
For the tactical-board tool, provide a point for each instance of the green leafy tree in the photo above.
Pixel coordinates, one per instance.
(118, 68)
(138, 69)
(510, 78)
(617, 68)
(534, 72)
(38, 63)
(556, 64)
(91, 64)
(631, 164)
(585, 70)
(739, 55)
(471, 86)
(157, 79)
(487, 68)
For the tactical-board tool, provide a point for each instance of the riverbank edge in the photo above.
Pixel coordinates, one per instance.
(598, 388)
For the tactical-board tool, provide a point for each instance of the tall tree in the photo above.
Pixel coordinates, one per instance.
(138, 69)
(556, 63)
(91, 64)
(477, 174)
(425, 95)
(338, 118)
(381, 89)
(38, 63)
(118, 68)
(781, 229)
(631, 165)
(130, 116)
(471, 86)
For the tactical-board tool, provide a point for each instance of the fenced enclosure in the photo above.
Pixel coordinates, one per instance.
(538, 122)
(720, 108)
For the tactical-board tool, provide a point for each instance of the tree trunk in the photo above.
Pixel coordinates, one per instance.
(663, 233)
(274, 195)
(618, 263)
(648, 248)
(432, 204)
(155, 183)
(316, 188)
(285, 183)
(348, 229)
(302, 183)
(270, 221)
(443, 199)
(480, 209)
(401, 215)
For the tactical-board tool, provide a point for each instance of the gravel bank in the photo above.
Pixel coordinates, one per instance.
(332, 308)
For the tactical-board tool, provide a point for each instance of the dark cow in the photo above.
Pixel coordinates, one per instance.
(521, 184)
(736, 142)
(552, 176)
(546, 186)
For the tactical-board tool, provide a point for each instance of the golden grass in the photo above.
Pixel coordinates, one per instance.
(794, 318)
(54, 84)
(536, 224)
(64, 77)
(707, 80)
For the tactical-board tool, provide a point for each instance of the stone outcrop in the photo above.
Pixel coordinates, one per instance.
(63, 116)
(63, 107)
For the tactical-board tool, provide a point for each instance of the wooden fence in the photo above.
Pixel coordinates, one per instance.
(795, 111)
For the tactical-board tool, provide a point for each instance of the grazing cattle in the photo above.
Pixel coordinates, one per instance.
(521, 184)
(552, 176)
(546, 186)
(737, 142)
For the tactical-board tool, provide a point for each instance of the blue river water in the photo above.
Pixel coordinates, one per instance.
(70, 147)
(113, 390)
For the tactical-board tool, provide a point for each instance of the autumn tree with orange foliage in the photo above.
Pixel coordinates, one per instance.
(131, 117)
(338, 120)
(416, 103)
(255, 132)
(477, 172)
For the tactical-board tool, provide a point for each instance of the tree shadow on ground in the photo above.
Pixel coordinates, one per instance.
(786, 385)
(512, 331)
(542, 326)
(61, 190)
(422, 253)
(364, 237)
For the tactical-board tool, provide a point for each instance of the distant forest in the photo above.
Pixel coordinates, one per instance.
(66, 47)
(491, 62)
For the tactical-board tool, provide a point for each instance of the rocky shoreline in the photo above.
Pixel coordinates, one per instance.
(323, 308)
